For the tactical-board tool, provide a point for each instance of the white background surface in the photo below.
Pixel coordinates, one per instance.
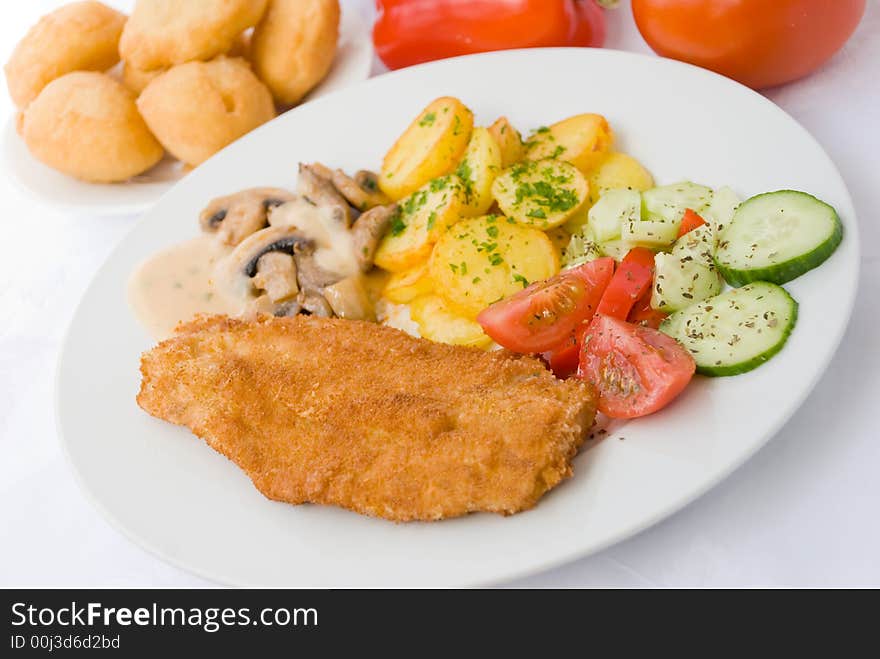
(802, 512)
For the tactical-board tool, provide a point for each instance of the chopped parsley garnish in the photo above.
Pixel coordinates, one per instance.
(415, 201)
(495, 259)
(456, 125)
(558, 151)
(398, 226)
(544, 194)
(492, 231)
(438, 184)
(464, 172)
(432, 218)
(428, 119)
(537, 212)
(522, 280)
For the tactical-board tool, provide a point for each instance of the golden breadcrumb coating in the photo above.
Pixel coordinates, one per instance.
(363, 416)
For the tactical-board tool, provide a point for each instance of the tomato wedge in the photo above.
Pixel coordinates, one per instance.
(563, 359)
(644, 314)
(636, 370)
(544, 314)
(633, 277)
(689, 221)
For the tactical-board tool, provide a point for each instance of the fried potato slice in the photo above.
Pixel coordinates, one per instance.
(542, 194)
(404, 287)
(481, 260)
(509, 141)
(423, 216)
(618, 170)
(581, 140)
(437, 322)
(430, 147)
(478, 167)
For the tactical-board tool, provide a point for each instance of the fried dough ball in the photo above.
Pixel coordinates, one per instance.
(162, 33)
(196, 109)
(86, 124)
(293, 46)
(137, 80)
(81, 36)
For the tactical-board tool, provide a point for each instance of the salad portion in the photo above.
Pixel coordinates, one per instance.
(561, 247)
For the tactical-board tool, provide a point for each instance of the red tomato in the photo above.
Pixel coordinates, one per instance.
(757, 42)
(644, 314)
(408, 32)
(636, 370)
(632, 279)
(690, 221)
(544, 314)
(563, 359)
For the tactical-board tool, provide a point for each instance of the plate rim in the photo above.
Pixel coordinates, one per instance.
(673, 505)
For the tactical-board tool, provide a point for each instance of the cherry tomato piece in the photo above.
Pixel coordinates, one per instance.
(636, 370)
(544, 314)
(633, 277)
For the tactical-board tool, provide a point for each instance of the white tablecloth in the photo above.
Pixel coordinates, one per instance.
(803, 511)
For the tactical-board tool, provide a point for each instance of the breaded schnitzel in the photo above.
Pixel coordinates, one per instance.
(366, 417)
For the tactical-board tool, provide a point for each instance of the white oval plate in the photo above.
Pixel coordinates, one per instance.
(352, 65)
(175, 496)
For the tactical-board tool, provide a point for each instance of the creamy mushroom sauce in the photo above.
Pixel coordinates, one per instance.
(177, 283)
(191, 277)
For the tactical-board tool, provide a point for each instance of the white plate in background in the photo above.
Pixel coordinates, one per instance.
(172, 494)
(352, 65)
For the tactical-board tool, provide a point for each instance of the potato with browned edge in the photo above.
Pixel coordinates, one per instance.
(430, 147)
(477, 169)
(86, 125)
(421, 219)
(438, 322)
(81, 36)
(484, 259)
(583, 140)
(509, 141)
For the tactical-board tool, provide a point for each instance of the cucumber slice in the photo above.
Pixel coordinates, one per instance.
(681, 282)
(651, 232)
(697, 246)
(720, 212)
(616, 249)
(669, 202)
(608, 215)
(777, 237)
(736, 331)
(581, 248)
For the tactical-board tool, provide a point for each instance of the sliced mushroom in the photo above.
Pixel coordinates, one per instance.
(362, 191)
(237, 216)
(321, 192)
(368, 231)
(289, 308)
(348, 298)
(276, 274)
(311, 276)
(314, 304)
(235, 272)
